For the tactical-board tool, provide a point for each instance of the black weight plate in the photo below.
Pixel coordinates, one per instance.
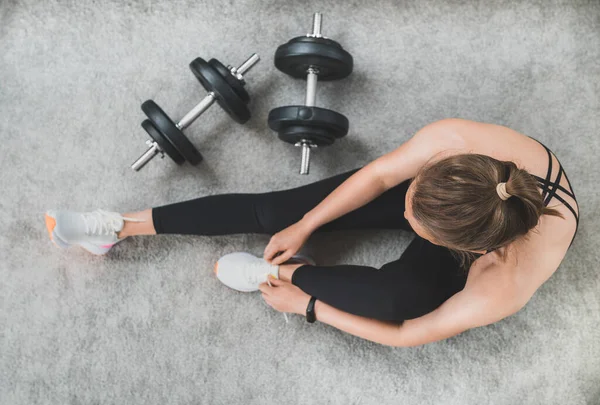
(295, 134)
(227, 98)
(295, 57)
(296, 122)
(169, 130)
(233, 81)
(164, 144)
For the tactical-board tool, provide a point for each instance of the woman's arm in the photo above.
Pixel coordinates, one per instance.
(488, 298)
(497, 292)
(383, 173)
(466, 309)
(458, 314)
(385, 333)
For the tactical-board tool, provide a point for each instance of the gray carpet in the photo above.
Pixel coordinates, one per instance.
(148, 323)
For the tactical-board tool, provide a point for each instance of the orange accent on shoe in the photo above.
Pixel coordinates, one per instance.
(216, 268)
(50, 224)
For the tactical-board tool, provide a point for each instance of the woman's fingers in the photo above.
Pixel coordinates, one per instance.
(264, 288)
(276, 282)
(282, 257)
(270, 251)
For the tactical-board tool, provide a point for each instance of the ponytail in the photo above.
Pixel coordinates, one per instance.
(473, 202)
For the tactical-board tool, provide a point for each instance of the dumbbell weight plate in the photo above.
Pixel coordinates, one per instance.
(233, 81)
(319, 136)
(227, 98)
(297, 122)
(169, 130)
(296, 56)
(164, 144)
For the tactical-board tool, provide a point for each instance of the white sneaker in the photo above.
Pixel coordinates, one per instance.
(94, 231)
(245, 272)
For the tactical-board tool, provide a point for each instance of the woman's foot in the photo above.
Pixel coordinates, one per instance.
(245, 272)
(95, 231)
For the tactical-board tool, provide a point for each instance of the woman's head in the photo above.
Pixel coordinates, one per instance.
(453, 202)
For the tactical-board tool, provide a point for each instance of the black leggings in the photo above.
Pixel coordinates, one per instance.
(418, 282)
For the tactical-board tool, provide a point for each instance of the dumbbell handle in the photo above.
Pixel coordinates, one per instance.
(153, 147)
(153, 150)
(317, 25)
(312, 72)
(306, 146)
(248, 64)
(197, 111)
(312, 75)
(311, 87)
(305, 165)
(311, 100)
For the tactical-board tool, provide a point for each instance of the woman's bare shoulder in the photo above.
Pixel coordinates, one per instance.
(497, 141)
(450, 124)
(458, 135)
(472, 132)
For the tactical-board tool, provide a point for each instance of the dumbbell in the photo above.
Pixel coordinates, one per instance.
(311, 57)
(225, 85)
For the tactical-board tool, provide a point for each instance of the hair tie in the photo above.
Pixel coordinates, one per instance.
(501, 190)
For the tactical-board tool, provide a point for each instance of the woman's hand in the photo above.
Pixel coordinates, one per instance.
(284, 296)
(287, 242)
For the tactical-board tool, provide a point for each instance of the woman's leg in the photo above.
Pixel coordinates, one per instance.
(418, 282)
(267, 213)
(144, 227)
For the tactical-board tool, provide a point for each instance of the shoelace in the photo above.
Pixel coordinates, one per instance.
(102, 222)
(259, 278)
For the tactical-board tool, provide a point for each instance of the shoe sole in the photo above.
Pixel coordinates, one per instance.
(50, 225)
(58, 242)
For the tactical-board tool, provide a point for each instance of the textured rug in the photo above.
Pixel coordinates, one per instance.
(149, 323)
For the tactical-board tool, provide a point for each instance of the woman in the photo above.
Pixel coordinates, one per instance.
(476, 195)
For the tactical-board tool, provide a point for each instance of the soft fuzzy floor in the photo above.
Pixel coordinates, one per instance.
(148, 323)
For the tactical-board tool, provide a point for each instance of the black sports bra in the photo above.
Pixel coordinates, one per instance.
(550, 188)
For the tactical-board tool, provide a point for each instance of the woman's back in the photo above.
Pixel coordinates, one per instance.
(552, 237)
